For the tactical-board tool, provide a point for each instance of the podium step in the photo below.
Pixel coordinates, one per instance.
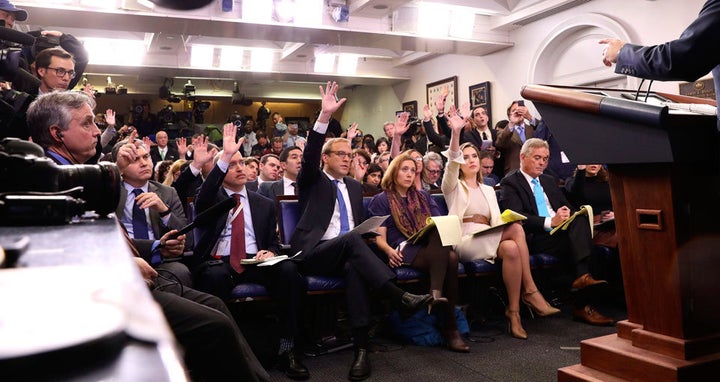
(580, 373)
(617, 358)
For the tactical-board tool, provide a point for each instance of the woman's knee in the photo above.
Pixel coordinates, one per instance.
(509, 251)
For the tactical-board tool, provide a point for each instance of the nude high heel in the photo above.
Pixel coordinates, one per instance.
(542, 311)
(514, 326)
(438, 300)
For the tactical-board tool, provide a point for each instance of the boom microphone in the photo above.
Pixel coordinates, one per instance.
(11, 35)
(207, 216)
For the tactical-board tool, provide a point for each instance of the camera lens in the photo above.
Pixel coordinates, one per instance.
(100, 182)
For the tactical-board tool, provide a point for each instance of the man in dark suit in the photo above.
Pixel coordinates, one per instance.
(481, 135)
(290, 163)
(689, 57)
(331, 205)
(247, 231)
(510, 139)
(163, 150)
(537, 196)
(149, 209)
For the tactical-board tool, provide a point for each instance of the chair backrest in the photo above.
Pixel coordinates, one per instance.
(440, 200)
(288, 215)
(366, 203)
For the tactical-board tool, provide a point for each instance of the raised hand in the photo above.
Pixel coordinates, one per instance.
(182, 146)
(465, 111)
(200, 152)
(352, 131)
(230, 145)
(401, 125)
(110, 117)
(146, 140)
(330, 103)
(427, 113)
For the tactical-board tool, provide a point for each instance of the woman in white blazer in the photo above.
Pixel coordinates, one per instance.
(477, 204)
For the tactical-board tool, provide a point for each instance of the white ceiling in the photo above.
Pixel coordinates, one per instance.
(381, 32)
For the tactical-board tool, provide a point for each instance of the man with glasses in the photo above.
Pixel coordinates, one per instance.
(432, 169)
(331, 205)
(55, 68)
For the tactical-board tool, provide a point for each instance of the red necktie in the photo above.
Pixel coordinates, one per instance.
(237, 238)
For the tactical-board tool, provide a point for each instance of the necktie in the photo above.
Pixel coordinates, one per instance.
(162, 154)
(237, 238)
(540, 199)
(484, 135)
(521, 132)
(344, 222)
(294, 186)
(139, 220)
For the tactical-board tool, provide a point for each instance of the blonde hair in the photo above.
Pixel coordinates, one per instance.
(479, 173)
(176, 166)
(388, 179)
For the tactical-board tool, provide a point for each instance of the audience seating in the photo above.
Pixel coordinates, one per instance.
(288, 211)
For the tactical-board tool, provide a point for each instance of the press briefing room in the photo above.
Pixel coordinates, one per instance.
(380, 190)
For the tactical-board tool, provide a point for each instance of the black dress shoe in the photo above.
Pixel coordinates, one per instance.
(292, 367)
(411, 303)
(360, 368)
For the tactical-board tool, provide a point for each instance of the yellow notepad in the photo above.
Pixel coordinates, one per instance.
(449, 228)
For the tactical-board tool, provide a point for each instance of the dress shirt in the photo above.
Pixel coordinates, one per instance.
(128, 212)
(250, 242)
(548, 220)
(333, 229)
(288, 188)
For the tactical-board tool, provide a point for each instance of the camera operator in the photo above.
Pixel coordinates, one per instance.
(9, 13)
(55, 67)
(214, 348)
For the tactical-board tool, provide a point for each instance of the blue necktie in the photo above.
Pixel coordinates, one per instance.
(540, 199)
(521, 132)
(139, 220)
(344, 222)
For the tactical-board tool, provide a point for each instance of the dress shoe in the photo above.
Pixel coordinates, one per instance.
(585, 281)
(514, 325)
(411, 303)
(292, 367)
(455, 342)
(591, 316)
(360, 368)
(543, 309)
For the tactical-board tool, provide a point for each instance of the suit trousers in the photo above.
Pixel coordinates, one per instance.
(215, 349)
(282, 280)
(575, 243)
(350, 257)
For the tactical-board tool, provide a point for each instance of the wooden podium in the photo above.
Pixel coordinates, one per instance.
(665, 182)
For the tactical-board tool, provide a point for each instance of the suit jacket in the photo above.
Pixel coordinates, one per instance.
(171, 154)
(691, 56)
(252, 186)
(474, 137)
(262, 210)
(272, 189)
(509, 144)
(177, 218)
(518, 196)
(317, 198)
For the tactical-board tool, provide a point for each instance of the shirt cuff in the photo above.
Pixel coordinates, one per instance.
(194, 170)
(321, 127)
(547, 224)
(223, 165)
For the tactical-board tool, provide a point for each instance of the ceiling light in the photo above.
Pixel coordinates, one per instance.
(103, 51)
(462, 24)
(324, 63)
(261, 60)
(256, 10)
(311, 12)
(201, 56)
(231, 57)
(433, 20)
(347, 64)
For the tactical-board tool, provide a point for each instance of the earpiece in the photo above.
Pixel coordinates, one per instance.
(59, 134)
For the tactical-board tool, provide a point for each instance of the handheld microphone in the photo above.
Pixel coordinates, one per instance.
(207, 216)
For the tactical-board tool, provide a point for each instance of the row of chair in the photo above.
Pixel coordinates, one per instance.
(288, 214)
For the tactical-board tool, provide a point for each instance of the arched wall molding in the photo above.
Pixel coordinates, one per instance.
(565, 35)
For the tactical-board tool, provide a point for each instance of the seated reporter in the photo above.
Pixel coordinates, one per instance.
(147, 208)
(247, 231)
(215, 350)
(409, 209)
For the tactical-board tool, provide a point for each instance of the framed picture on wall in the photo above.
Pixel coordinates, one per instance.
(447, 87)
(480, 96)
(410, 107)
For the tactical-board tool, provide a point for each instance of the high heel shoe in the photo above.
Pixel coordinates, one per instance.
(514, 326)
(455, 342)
(437, 301)
(542, 311)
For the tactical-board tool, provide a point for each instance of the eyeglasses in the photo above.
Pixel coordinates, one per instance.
(433, 171)
(341, 154)
(61, 72)
(418, 159)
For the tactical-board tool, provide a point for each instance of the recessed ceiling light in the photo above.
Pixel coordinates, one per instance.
(301, 55)
(380, 7)
(165, 48)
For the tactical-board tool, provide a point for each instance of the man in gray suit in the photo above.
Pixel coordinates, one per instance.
(149, 209)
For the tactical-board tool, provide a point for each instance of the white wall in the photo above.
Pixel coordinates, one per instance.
(646, 22)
